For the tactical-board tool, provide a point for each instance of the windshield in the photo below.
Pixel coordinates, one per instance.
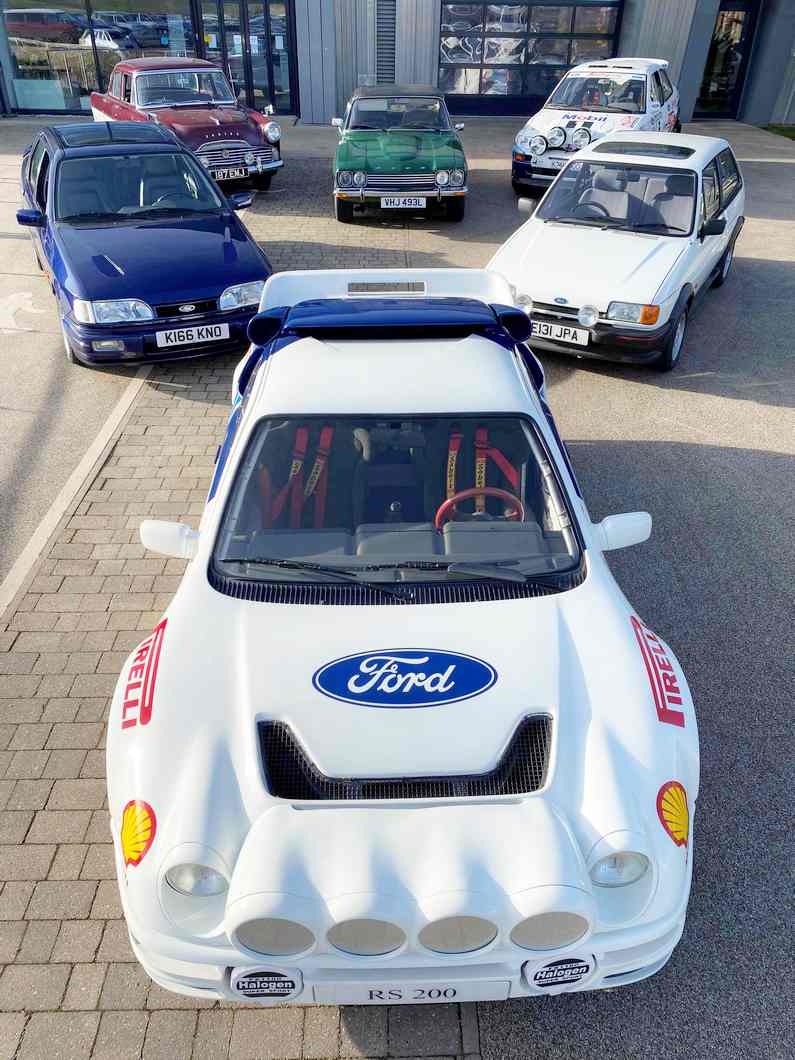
(372, 499)
(182, 86)
(127, 186)
(399, 112)
(611, 194)
(619, 93)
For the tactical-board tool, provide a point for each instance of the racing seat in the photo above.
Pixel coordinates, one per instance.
(609, 191)
(388, 479)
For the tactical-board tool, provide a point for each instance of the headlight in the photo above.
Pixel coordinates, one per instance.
(345, 178)
(273, 133)
(632, 313)
(580, 138)
(196, 881)
(524, 302)
(442, 178)
(538, 144)
(359, 178)
(204, 161)
(588, 316)
(119, 311)
(248, 158)
(457, 178)
(619, 869)
(242, 294)
(556, 137)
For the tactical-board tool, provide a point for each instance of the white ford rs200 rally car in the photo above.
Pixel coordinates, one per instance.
(399, 738)
(591, 100)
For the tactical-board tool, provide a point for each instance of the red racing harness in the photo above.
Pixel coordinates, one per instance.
(483, 453)
(294, 488)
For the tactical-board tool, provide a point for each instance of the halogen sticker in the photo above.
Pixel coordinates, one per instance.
(564, 972)
(265, 983)
(139, 692)
(662, 679)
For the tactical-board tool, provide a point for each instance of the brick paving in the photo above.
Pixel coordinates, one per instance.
(70, 986)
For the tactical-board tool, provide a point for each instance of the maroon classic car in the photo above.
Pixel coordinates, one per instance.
(194, 99)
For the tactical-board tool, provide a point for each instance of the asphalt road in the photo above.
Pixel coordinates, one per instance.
(709, 450)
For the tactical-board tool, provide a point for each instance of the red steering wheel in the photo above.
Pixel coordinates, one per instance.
(447, 509)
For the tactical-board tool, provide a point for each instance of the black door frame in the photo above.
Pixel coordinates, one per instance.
(753, 7)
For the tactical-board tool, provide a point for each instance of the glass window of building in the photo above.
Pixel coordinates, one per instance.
(520, 51)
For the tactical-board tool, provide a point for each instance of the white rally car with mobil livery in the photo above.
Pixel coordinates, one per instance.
(623, 246)
(399, 737)
(591, 100)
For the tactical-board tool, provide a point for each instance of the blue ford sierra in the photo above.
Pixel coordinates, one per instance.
(144, 252)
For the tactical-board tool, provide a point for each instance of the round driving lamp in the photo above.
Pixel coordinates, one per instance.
(457, 178)
(345, 178)
(538, 145)
(442, 178)
(196, 881)
(556, 137)
(580, 138)
(249, 158)
(273, 133)
(359, 178)
(619, 869)
(588, 316)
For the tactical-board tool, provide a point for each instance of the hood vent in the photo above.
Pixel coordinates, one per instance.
(291, 775)
(395, 593)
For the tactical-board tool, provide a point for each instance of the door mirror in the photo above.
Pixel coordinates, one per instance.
(169, 539)
(716, 226)
(526, 205)
(621, 531)
(459, 125)
(337, 123)
(240, 200)
(31, 218)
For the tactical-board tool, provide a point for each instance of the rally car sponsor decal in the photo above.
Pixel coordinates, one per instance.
(138, 828)
(404, 677)
(662, 679)
(673, 812)
(564, 972)
(139, 691)
(265, 982)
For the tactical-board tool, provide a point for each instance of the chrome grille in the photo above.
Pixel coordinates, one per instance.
(233, 153)
(402, 182)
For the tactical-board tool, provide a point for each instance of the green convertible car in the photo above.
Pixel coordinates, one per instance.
(398, 151)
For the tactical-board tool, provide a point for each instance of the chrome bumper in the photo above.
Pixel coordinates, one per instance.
(363, 195)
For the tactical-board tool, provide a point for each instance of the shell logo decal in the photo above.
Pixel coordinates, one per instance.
(673, 812)
(138, 827)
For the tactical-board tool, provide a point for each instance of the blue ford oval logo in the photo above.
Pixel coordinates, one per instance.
(405, 677)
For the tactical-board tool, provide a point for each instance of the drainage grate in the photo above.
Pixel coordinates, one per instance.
(291, 775)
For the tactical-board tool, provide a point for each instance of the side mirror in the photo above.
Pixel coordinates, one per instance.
(337, 123)
(241, 200)
(31, 218)
(169, 539)
(621, 531)
(714, 227)
(459, 125)
(526, 206)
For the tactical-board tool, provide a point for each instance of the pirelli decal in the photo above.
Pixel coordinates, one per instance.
(139, 692)
(664, 685)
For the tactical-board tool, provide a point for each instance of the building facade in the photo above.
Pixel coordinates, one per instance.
(730, 58)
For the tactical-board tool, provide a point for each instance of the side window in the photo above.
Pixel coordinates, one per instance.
(654, 89)
(125, 88)
(115, 85)
(730, 181)
(711, 191)
(35, 164)
(42, 183)
(667, 87)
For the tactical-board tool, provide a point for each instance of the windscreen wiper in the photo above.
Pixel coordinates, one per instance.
(342, 574)
(657, 224)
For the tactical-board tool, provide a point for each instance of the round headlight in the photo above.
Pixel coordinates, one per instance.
(457, 177)
(273, 133)
(345, 178)
(248, 158)
(556, 137)
(359, 178)
(442, 178)
(619, 869)
(588, 316)
(199, 881)
(538, 144)
(580, 138)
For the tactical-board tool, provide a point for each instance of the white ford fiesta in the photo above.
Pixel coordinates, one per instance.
(634, 231)
(399, 737)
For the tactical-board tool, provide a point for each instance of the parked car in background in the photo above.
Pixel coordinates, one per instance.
(144, 253)
(399, 151)
(114, 38)
(634, 231)
(590, 101)
(44, 24)
(194, 99)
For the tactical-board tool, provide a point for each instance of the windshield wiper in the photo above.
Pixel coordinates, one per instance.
(485, 570)
(575, 221)
(342, 574)
(99, 216)
(657, 224)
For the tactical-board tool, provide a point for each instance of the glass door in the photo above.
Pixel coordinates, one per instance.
(280, 32)
(224, 43)
(727, 59)
(261, 71)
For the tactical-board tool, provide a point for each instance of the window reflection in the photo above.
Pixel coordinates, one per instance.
(461, 49)
(502, 82)
(462, 18)
(504, 50)
(506, 18)
(52, 63)
(458, 80)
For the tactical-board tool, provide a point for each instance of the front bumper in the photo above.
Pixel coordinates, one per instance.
(140, 343)
(539, 173)
(606, 342)
(373, 196)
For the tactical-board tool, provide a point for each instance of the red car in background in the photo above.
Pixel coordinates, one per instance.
(193, 98)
